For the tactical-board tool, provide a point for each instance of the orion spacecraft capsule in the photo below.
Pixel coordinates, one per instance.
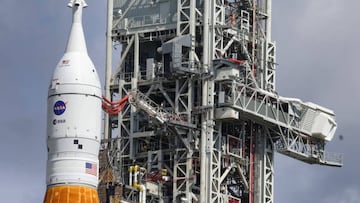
(73, 122)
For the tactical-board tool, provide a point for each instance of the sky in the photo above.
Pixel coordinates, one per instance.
(317, 52)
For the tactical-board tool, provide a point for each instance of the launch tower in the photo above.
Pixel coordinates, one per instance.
(204, 118)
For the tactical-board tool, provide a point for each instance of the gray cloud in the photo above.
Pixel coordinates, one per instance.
(317, 53)
(317, 44)
(348, 195)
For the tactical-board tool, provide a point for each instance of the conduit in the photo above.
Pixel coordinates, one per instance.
(116, 107)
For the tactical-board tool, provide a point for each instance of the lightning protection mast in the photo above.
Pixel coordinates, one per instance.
(203, 119)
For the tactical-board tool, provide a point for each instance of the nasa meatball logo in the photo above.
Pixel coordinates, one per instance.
(59, 107)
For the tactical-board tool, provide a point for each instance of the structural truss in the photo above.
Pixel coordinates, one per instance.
(203, 119)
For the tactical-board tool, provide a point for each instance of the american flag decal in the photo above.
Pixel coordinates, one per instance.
(90, 168)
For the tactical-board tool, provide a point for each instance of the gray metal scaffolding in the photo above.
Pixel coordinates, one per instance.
(203, 119)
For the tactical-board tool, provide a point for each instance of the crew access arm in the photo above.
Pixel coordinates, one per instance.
(298, 129)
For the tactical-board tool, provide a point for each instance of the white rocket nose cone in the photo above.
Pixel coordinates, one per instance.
(76, 67)
(76, 42)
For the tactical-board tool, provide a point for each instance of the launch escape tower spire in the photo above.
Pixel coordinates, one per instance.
(204, 118)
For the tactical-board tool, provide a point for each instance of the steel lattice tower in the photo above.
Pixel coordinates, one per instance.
(205, 118)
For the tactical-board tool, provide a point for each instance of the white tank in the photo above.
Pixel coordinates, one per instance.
(73, 115)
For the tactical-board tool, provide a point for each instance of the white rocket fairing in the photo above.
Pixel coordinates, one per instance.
(73, 122)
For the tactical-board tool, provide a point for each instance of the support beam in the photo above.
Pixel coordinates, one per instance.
(108, 65)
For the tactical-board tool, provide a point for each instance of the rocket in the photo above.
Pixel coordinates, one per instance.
(73, 122)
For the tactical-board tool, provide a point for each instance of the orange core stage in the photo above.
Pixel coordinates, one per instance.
(71, 194)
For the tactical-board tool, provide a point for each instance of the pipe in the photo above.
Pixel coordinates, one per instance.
(251, 173)
(142, 194)
(108, 65)
(268, 20)
(253, 39)
(113, 110)
(142, 189)
(116, 107)
(205, 69)
(116, 102)
(136, 173)
(131, 169)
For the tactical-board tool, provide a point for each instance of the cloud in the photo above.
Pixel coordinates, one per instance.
(344, 195)
(317, 43)
(317, 49)
(21, 186)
